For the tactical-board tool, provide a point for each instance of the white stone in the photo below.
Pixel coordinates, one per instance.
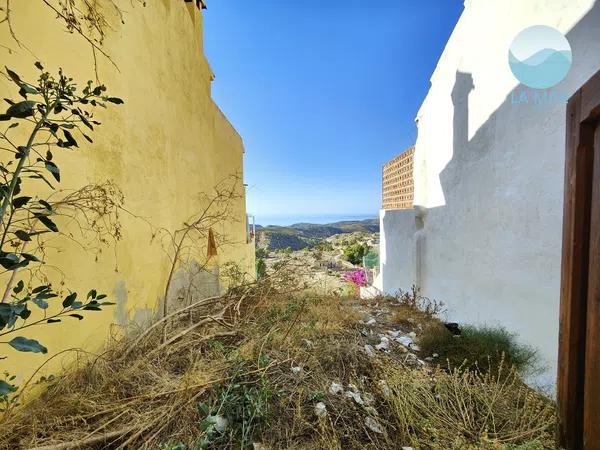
(355, 396)
(404, 340)
(321, 410)
(335, 388)
(373, 425)
(368, 349)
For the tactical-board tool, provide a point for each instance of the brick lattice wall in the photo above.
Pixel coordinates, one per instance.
(398, 184)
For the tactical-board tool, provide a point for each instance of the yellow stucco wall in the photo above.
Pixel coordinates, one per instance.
(166, 145)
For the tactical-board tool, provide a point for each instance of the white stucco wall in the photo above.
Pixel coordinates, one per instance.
(490, 174)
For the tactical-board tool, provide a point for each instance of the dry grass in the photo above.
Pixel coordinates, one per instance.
(262, 358)
(452, 410)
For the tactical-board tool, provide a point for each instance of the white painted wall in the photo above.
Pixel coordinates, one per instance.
(490, 175)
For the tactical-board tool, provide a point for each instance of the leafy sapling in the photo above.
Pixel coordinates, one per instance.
(55, 115)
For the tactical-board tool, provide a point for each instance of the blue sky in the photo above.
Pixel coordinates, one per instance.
(323, 93)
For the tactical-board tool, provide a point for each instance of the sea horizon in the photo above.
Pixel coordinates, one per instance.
(322, 219)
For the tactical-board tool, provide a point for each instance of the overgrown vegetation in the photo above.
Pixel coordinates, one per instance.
(261, 268)
(354, 253)
(270, 366)
(481, 349)
(457, 409)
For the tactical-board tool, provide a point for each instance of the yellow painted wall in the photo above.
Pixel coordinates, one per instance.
(167, 144)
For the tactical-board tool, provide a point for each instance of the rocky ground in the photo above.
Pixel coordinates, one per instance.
(321, 267)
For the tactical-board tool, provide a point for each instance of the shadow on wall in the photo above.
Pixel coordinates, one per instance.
(492, 253)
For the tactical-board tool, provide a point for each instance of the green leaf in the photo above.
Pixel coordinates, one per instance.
(23, 344)
(92, 308)
(41, 177)
(9, 261)
(77, 316)
(40, 302)
(47, 221)
(42, 288)
(19, 202)
(69, 299)
(13, 76)
(23, 235)
(54, 170)
(70, 139)
(92, 294)
(30, 257)
(45, 204)
(39, 65)
(19, 287)
(22, 110)
(29, 89)
(115, 100)
(53, 320)
(6, 388)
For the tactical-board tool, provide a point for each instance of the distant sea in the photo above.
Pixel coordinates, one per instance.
(265, 220)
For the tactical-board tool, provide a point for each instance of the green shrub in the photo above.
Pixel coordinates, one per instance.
(355, 252)
(245, 404)
(262, 252)
(478, 348)
(261, 268)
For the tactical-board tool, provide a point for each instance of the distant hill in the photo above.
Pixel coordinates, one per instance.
(302, 235)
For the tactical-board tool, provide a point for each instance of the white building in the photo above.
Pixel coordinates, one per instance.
(485, 233)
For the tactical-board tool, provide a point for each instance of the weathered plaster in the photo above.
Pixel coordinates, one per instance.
(166, 145)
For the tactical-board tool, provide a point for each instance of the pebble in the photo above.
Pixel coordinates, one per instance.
(385, 388)
(296, 370)
(383, 344)
(373, 425)
(371, 321)
(321, 410)
(335, 388)
(355, 396)
(404, 340)
(369, 350)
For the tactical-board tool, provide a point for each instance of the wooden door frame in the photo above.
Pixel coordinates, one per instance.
(583, 115)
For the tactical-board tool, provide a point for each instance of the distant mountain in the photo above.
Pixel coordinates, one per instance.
(302, 235)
